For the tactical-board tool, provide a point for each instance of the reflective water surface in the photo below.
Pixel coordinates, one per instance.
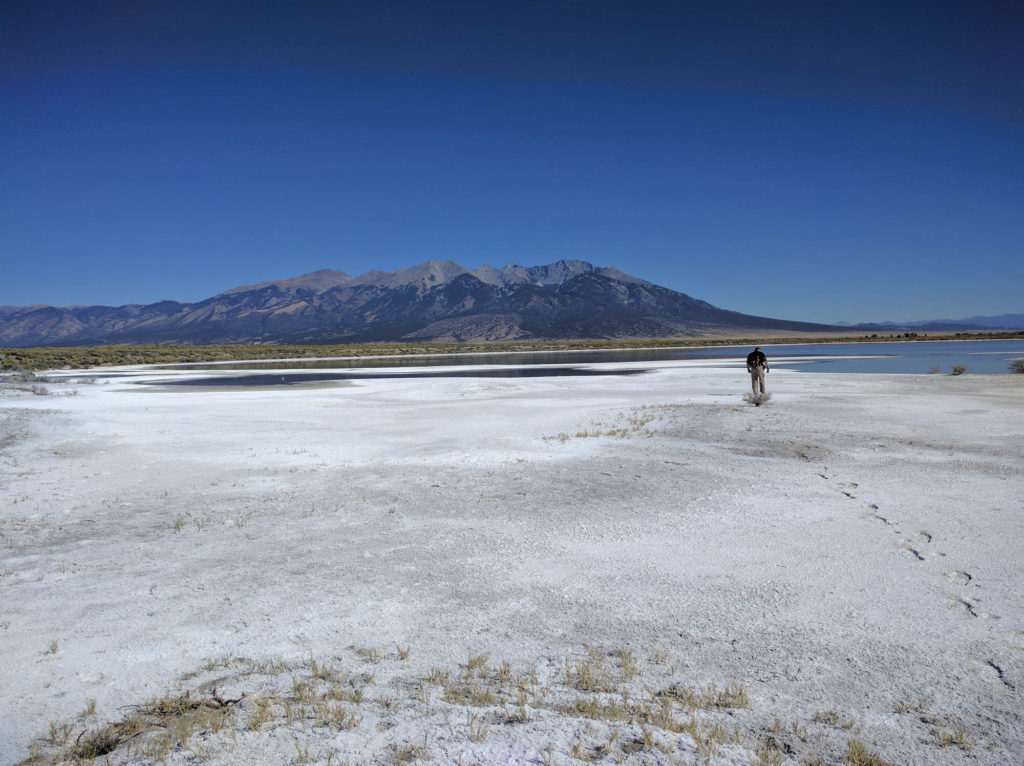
(984, 357)
(271, 379)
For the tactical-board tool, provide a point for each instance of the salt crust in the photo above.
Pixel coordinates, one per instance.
(847, 555)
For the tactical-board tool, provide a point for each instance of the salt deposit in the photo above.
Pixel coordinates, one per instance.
(843, 564)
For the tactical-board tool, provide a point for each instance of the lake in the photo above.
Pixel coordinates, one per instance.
(912, 357)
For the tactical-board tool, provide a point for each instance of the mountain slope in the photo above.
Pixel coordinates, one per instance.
(433, 301)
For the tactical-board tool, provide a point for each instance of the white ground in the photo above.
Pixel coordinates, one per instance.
(851, 553)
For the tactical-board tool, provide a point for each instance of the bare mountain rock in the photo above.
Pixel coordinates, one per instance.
(437, 300)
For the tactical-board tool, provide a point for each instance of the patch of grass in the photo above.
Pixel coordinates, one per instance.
(476, 727)
(731, 696)
(259, 712)
(201, 521)
(438, 677)
(957, 737)
(910, 706)
(324, 672)
(833, 718)
(769, 752)
(659, 657)
(59, 731)
(98, 742)
(355, 694)
(176, 718)
(858, 754)
(408, 752)
(621, 708)
(628, 664)
(370, 654)
(503, 673)
(477, 695)
(596, 709)
(477, 662)
(589, 674)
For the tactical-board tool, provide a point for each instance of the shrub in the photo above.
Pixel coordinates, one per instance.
(1017, 365)
(757, 399)
(959, 369)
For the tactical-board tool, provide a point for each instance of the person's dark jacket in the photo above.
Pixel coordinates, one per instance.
(755, 358)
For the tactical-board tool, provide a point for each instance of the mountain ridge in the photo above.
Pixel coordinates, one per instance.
(434, 300)
(979, 323)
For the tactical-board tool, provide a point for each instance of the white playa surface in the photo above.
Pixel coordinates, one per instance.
(846, 560)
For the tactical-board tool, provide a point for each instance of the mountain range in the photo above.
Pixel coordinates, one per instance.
(975, 323)
(435, 301)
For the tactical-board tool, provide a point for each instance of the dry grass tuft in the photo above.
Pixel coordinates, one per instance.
(833, 718)
(957, 737)
(857, 754)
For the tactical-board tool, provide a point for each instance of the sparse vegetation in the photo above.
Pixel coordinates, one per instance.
(201, 521)
(635, 422)
(833, 718)
(370, 654)
(27, 381)
(757, 399)
(626, 706)
(1017, 365)
(857, 754)
(59, 732)
(47, 358)
(956, 737)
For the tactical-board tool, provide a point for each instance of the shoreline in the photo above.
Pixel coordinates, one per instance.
(75, 357)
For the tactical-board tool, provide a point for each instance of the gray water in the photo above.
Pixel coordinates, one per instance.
(271, 379)
(986, 357)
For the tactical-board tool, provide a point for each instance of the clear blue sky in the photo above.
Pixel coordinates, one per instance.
(821, 161)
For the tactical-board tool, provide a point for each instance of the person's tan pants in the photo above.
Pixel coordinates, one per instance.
(757, 378)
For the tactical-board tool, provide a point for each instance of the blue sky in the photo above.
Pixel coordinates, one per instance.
(809, 161)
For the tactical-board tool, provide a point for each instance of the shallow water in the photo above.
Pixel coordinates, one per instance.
(270, 379)
(913, 357)
(986, 357)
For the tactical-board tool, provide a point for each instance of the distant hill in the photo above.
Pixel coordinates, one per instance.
(439, 301)
(969, 324)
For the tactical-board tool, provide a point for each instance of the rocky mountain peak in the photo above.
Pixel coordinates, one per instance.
(560, 272)
(427, 274)
(316, 281)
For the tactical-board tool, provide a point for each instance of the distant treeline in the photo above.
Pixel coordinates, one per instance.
(52, 357)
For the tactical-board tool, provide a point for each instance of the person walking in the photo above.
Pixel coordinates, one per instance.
(757, 366)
